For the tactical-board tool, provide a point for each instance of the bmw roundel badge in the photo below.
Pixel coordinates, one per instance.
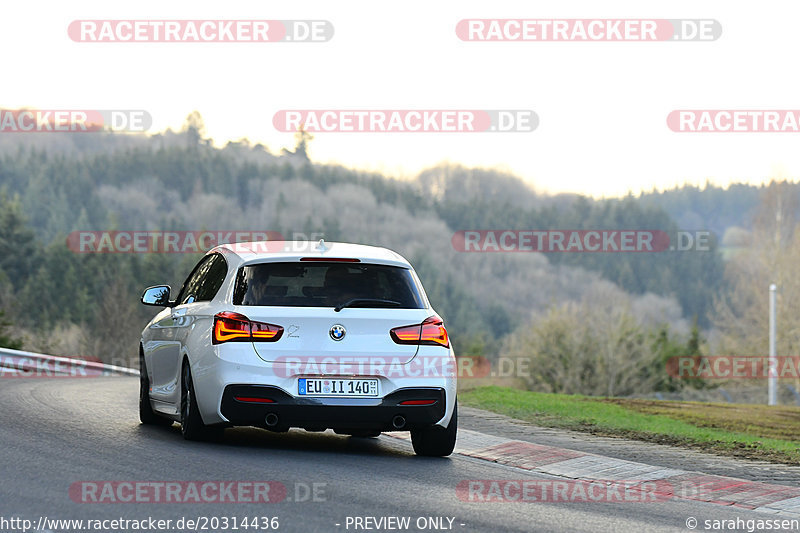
(337, 332)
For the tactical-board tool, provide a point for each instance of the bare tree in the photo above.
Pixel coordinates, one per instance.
(772, 255)
(597, 346)
(114, 335)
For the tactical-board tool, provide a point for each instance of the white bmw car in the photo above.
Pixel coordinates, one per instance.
(299, 334)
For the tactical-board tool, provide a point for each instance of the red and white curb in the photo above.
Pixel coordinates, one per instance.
(582, 466)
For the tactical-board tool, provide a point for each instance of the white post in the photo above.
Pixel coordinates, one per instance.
(773, 362)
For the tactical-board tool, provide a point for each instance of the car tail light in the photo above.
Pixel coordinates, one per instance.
(250, 399)
(229, 326)
(261, 331)
(431, 331)
(418, 402)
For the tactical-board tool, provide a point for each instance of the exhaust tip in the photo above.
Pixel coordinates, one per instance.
(399, 422)
(271, 420)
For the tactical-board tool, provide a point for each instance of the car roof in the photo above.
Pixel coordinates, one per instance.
(269, 251)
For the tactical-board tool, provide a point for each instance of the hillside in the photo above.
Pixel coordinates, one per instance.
(54, 185)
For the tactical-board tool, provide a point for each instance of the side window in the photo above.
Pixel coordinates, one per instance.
(209, 285)
(205, 280)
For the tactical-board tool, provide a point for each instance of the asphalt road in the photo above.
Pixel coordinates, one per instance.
(57, 432)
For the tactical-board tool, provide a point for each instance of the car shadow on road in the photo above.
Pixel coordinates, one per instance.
(295, 440)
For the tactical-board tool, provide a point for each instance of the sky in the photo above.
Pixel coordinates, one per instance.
(602, 106)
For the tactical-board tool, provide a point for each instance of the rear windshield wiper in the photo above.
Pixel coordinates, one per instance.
(353, 301)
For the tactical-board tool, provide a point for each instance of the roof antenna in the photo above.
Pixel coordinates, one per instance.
(321, 245)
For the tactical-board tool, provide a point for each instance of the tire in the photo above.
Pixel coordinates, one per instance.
(147, 416)
(436, 441)
(192, 426)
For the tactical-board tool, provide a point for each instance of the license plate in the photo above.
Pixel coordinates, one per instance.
(337, 387)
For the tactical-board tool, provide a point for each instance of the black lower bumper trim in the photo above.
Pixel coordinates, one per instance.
(342, 414)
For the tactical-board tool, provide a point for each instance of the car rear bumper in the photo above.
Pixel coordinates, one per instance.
(216, 372)
(342, 414)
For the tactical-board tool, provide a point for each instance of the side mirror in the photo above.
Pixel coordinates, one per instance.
(158, 295)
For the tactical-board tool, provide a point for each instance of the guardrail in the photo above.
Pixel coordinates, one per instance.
(31, 364)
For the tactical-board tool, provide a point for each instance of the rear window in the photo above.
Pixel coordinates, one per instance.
(326, 285)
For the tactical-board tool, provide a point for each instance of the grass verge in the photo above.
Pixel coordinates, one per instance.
(747, 431)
